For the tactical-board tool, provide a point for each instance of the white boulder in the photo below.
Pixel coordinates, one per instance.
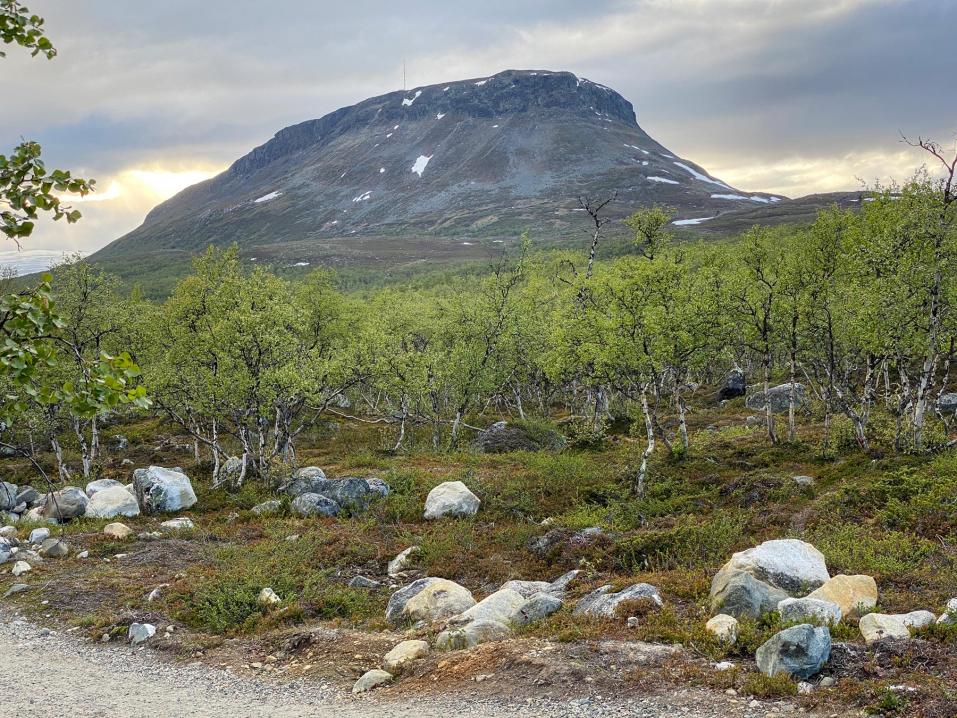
(160, 490)
(451, 498)
(112, 501)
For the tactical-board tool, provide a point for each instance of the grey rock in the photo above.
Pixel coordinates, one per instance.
(310, 504)
(947, 404)
(66, 504)
(809, 610)
(803, 481)
(790, 564)
(501, 606)
(734, 385)
(266, 507)
(779, 398)
(471, 635)
(180, 523)
(8, 495)
(538, 607)
(372, 679)
(502, 437)
(307, 480)
(602, 603)
(39, 535)
(161, 490)
(54, 548)
(363, 582)
(140, 633)
(112, 501)
(29, 496)
(800, 651)
(428, 599)
(741, 595)
(16, 588)
(402, 561)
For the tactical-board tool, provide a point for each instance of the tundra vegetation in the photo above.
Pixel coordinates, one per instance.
(675, 404)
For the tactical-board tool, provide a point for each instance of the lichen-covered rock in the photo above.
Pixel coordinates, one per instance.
(310, 504)
(161, 490)
(54, 548)
(734, 384)
(307, 480)
(8, 495)
(266, 507)
(402, 561)
(451, 498)
(603, 603)
(428, 599)
(112, 501)
(799, 651)
(537, 608)
(501, 606)
(117, 531)
(853, 594)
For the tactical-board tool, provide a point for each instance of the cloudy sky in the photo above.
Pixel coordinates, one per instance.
(784, 96)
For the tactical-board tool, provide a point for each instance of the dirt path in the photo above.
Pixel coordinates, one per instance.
(47, 674)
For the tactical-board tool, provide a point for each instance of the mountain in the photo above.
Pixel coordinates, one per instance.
(434, 172)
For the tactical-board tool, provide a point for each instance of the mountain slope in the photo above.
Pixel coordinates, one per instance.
(480, 159)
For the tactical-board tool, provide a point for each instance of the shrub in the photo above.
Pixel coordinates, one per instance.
(692, 543)
(776, 686)
(854, 548)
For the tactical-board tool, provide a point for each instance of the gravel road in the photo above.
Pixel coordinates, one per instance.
(46, 674)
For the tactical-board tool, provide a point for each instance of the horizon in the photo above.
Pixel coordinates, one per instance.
(782, 97)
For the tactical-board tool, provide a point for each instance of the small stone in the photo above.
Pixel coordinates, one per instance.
(181, 523)
(117, 530)
(83, 554)
(400, 657)
(632, 622)
(140, 633)
(16, 588)
(266, 507)
(54, 548)
(723, 626)
(402, 562)
(268, 597)
(20, 568)
(363, 582)
(38, 536)
(451, 498)
(805, 688)
(372, 679)
(828, 681)
(724, 666)
(8, 532)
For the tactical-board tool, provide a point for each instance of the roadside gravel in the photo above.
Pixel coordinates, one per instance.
(51, 674)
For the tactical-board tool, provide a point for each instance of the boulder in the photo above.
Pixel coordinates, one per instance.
(161, 490)
(947, 404)
(780, 398)
(471, 635)
(310, 504)
(402, 656)
(854, 595)
(307, 480)
(880, 626)
(371, 679)
(38, 536)
(809, 610)
(8, 496)
(537, 608)
(117, 530)
(266, 507)
(99, 485)
(734, 385)
(790, 564)
(803, 481)
(799, 651)
(526, 589)
(603, 603)
(108, 503)
(403, 561)
(723, 626)
(918, 619)
(451, 498)
(66, 504)
(54, 548)
(8, 532)
(140, 633)
(35, 515)
(20, 568)
(501, 606)
(741, 595)
(353, 495)
(502, 437)
(378, 486)
(181, 523)
(230, 471)
(428, 599)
